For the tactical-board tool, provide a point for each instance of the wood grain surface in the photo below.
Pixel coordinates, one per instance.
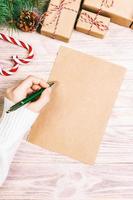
(38, 174)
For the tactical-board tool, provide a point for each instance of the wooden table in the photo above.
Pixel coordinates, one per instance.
(38, 174)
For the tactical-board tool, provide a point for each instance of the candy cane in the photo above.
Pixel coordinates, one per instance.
(17, 61)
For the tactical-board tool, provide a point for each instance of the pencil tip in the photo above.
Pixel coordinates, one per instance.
(52, 83)
(8, 111)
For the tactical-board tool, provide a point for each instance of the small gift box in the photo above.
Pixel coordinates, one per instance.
(60, 18)
(120, 11)
(92, 24)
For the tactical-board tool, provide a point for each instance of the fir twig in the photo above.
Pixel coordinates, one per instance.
(10, 9)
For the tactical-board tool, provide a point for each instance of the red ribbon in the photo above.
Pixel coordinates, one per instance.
(56, 10)
(85, 17)
(107, 3)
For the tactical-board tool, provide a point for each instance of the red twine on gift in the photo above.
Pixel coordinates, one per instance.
(57, 10)
(17, 61)
(100, 24)
(85, 17)
(109, 3)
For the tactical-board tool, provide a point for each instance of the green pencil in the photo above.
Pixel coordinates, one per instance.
(34, 96)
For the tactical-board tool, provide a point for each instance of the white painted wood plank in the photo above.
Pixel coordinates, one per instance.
(38, 174)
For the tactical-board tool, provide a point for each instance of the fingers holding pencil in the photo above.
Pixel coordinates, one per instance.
(27, 87)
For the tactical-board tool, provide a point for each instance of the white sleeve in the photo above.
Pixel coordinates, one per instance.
(13, 127)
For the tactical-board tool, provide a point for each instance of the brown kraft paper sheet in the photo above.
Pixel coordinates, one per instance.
(74, 121)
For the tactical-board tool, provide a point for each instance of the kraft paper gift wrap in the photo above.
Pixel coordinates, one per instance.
(120, 11)
(92, 24)
(60, 19)
(74, 121)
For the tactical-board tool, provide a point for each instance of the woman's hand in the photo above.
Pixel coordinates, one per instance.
(26, 87)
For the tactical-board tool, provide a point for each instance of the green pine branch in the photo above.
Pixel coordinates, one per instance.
(10, 9)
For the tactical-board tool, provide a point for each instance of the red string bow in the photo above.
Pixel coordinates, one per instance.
(85, 17)
(56, 10)
(109, 3)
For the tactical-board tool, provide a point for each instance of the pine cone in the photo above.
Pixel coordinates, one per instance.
(28, 21)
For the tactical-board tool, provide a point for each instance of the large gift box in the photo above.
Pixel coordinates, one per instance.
(60, 19)
(120, 11)
(74, 121)
(92, 24)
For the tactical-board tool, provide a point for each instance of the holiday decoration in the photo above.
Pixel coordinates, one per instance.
(92, 24)
(22, 13)
(120, 11)
(15, 59)
(28, 21)
(60, 19)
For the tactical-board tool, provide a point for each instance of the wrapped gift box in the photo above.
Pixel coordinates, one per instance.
(60, 19)
(120, 11)
(92, 24)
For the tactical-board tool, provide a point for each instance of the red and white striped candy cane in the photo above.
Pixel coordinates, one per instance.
(17, 61)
